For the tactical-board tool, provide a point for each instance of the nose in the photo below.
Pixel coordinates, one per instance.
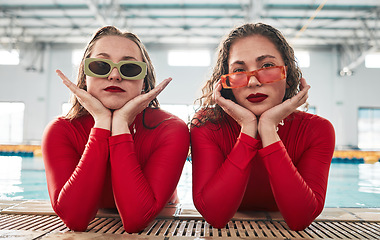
(114, 75)
(253, 81)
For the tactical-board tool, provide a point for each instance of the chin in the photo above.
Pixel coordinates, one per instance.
(114, 106)
(256, 110)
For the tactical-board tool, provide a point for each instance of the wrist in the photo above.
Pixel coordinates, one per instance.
(119, 126)
(249, 129)
(103, 122)
(268, 134)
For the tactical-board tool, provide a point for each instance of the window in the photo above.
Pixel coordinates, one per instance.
(76, 57)
(9, 57)
(372, 60)
(11, 122)
(184, 112)
(189, 58)
(369, 128)
(303, 58)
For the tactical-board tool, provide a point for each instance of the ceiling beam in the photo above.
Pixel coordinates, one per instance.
(125, 6)
(93, 6)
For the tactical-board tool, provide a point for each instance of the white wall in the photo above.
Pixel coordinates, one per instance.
(187, 81)
(335, 98)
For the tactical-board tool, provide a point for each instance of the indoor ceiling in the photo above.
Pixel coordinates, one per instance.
(352, 25)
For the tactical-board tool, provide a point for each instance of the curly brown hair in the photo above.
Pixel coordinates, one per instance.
(212, 112)
(149, 81)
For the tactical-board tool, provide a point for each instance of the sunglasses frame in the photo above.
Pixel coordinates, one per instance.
(90, 73)
(253, 73)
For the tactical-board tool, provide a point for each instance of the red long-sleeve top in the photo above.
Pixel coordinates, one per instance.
(232, 171)
(88, 169)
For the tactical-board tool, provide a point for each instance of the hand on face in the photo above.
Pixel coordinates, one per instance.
(271, 118)
(101, 114)
(124, 116)
(244, 117)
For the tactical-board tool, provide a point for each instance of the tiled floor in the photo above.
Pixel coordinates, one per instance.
(188, 210)
(180, 211)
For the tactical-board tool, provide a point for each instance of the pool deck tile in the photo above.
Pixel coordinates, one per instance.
(4, 204)
(90, 235)
(366, 214)
(20, 234)
(337, 214)
(29, 207)
(189, 211)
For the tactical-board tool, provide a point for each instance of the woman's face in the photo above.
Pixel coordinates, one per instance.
(249, 54)
(113, 91)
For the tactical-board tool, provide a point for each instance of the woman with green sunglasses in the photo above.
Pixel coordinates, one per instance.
(115, 148)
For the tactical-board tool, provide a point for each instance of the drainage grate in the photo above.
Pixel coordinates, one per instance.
(199, 228)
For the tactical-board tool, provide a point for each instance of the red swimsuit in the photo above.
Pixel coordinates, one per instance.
(88, 169)
(231, 170)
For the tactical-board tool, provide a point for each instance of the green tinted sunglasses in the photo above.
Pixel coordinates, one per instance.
(129, 70)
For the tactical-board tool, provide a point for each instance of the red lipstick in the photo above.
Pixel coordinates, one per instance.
(114, 89)
(258, 97)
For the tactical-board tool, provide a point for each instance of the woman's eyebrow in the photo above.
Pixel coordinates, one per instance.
(128, 58)
(261, 58)
(123, 58)
(103, 54)
(258, 59)
(239, 62)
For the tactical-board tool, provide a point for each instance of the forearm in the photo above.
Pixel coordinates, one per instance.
(135, 200)
(219, 185)
(297, 202)
(221, 196)
(69, 190)
(140, 194)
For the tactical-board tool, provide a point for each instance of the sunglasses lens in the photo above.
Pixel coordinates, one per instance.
(130, 69)
(236, 80)
(268, 75)
(99, 67)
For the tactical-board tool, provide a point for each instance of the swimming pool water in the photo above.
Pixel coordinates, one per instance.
(22, 178)
(350, 185)
(353, 185)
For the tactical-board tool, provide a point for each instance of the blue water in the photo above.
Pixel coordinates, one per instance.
(22, 178)
(350, 185)
(353, 185)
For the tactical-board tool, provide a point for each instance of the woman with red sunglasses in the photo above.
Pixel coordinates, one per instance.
(115, 148)
(251, 148)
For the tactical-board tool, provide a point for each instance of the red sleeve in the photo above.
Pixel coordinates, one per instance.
(141, 193)
(300, 190)
(75, 181)
(219, 181)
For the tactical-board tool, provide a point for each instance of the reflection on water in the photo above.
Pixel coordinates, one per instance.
(353, 185)
(369, 178)
(22, 178)
(10, 177)
(350, 185)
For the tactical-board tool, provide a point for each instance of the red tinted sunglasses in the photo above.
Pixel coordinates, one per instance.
(263, 75)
